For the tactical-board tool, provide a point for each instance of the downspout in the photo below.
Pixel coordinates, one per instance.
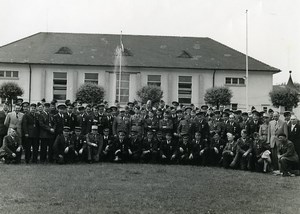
(30, 75)
(214, 74)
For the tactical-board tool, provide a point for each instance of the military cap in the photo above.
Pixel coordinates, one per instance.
(61, 106)
(19, 100)
(204, 107)
(185, 136)
(66, 129)
(266, 115)
(244, 113)
(175, 103)
(101, 105)
(80, 108)
(287, 113)
(43, 100)
(88, 106)
(114, 108)
(270, 111)
(179, 110)
(188, 107)
(217, 112)
(122, 131)
(200, 113)
(226, 114)
(24, 104)
(47, 104)
(33, 105)
(78, 128)
(94, 127)
(108, 110)
(106, 129)
(39, 104)
(130, 103)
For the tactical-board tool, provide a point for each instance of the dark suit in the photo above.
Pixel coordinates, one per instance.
(71, 120)
(10, 145)
(59, 147)
(3, 128)
(46, 136)
(30, 132)
(294, 136)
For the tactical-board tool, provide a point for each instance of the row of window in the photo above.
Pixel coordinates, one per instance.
(184, 84)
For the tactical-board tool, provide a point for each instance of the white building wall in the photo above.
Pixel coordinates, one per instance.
(260, 83)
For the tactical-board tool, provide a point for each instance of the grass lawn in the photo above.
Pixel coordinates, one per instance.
(141, 188)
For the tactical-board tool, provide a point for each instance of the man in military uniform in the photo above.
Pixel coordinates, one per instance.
(71, 118)
(46, 134)
(30, 132)
(120, 147)
(64, 151)
(79, 142)
(94, 145)
(185, 151)
(150, 148)
(11, 149)
(168, 150)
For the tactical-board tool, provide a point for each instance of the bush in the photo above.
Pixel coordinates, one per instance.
(284, 97)
(152, 93)
(218, 96)
(10, 91)
(90, 93)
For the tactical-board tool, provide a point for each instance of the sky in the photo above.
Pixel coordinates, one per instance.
(273, 25)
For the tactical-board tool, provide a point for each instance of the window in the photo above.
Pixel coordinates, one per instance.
(234, 81)
(91, 77)
(154, 80)
(64, 50)
(60, 85)
(9, 74)
(185, 89)
(234, 106)
(124, 89)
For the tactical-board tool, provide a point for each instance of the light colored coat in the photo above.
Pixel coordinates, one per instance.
(274, 130)
(11, 121)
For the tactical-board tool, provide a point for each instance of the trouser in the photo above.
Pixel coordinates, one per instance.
(34, 144)
(274, 157)
(227, 158)
(46, 150)
(150, 157)
(93, 154)
(1, 139)
(285, 165)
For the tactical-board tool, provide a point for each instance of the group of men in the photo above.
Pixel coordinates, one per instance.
(70, 132)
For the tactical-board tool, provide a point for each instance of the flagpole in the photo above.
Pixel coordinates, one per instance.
(120, 66)
(247, 69)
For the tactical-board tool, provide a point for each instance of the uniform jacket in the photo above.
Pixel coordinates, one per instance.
(45, 124)
(61, 143)
(288, 151)
(294, 136)
(3, 128)
(30, 125)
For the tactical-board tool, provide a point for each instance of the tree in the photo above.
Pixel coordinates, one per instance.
(284, 97)
(152, 93)
(90, 93)
(10, 91)
(218, 96)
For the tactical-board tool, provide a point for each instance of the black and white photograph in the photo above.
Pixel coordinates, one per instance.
(149, 106)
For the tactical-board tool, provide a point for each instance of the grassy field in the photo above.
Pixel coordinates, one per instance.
(141, 188)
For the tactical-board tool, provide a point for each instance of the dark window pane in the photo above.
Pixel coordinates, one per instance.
(185, 79)
(15, 74)
(155, 78)
(57, 75)
(184, 100)
(234, 106)
(185, 85)
(93, 76)
(154, 84)
(1, 73)
(234, 80)
(8, 73)
(60, 82)
(184, 92)
(241, 81)
(59, 97)
(228, 80)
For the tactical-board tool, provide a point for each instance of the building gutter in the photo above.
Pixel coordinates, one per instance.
(214, 77)
(30, 76)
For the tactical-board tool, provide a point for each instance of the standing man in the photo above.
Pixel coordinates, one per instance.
(30, 131)
(294, 134)
(14, 120)
(276, 127)
(46, 134)
(3, 128)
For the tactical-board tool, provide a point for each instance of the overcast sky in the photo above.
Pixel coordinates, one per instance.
(274, 25)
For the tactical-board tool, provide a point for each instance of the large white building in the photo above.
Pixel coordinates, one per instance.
(54, 65)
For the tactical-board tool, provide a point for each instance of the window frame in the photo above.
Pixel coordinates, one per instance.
(185, 93)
